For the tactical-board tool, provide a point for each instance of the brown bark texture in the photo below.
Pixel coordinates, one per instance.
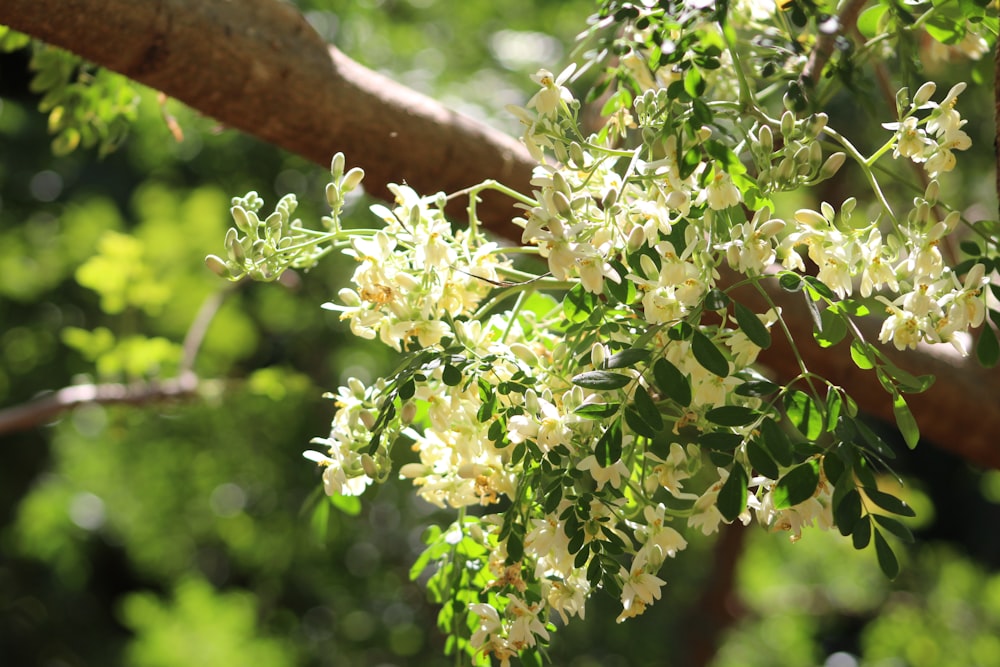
(256, 65)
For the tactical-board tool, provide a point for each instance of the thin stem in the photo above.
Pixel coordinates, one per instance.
(805, 374)
(866, 168)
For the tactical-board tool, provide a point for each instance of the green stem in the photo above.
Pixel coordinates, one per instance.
(866, 168)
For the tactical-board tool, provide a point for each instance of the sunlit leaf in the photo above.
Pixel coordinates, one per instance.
(798, 485)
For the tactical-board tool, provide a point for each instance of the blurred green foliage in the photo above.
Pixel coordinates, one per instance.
(188, 533)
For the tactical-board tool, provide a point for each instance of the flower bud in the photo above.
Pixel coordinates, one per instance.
(357, 387)
(333, 195)
(902, 101)
(337, 166)
(636, 238)
(766, 139)
(932, 192)
(771, 227)
(352, 179)
(560, 152)
(349, 297)
(562, 203)
(408, 412)
(368, 419)
(576, 155)
(951, 221)
(243, 221)
(817, 123)
(787, 124)
(524, 353)
(235, 247)
(828, 211)
(609, 199)
(809, 217)
(414, 470)
(218, 267)
(560, 185)
(832, 165)
(598, 354)
(368, 465)
(924, 94)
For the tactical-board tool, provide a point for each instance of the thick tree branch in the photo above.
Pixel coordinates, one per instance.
(49, 406)
(256, 65)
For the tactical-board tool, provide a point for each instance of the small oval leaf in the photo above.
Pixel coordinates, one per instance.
(601, 380)
(672, 382)
(732, 499)
(797, 486)
(751, 325)
(708, 355)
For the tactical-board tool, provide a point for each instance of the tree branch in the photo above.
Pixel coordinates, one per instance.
(826, 41)
(49, 406)
(256, 65)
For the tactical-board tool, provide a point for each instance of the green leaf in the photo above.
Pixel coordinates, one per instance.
(873, 440)
(751, 325)
(833, 405)
(597, 410)
(860, 355)
(732, 499)
(869, 20)
(627, 358)
(988, 348)
(776, 442)
(790, 282)
(862, 533)
(349, 505)
(804, 413)
(578, 304)
(894, 526)
(905, 421)
(716, 299)
(708, 355)
(886, 558)
(680, 331)
(756, 388)
(732, 415)
(609, 447)
(798, 485)
(832, 328)
(817, 288)
(451, 376)
(847, 512)
(674, 384)
(638, 424)
(762, 461)
(723, 440)
(889, 502)
(647, 408)
(407, 389)
(601, 380)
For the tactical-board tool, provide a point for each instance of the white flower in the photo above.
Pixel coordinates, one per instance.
(548, 429)
(639, 590)
(721, 193)
(552, 94)
(601, 475)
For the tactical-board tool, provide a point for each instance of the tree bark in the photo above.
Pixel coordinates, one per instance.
(256, 65)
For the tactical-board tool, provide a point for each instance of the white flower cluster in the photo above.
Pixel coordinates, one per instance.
(416, 275)
(933, 140)
(580, 430)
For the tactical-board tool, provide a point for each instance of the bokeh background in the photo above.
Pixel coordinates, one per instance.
(192, 532)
